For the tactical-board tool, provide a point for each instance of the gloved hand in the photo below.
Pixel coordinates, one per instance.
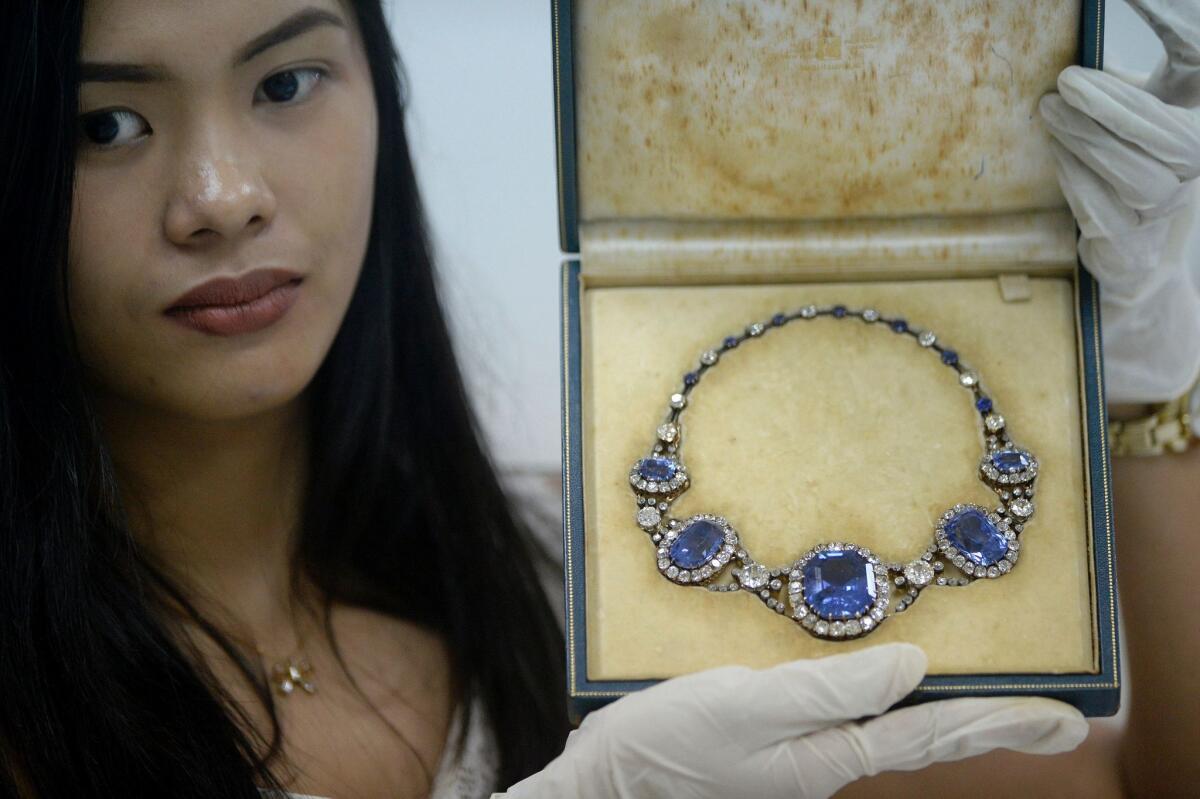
(791, 731)
(1128, 153)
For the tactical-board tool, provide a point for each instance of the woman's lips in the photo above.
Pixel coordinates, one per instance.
(246, 317)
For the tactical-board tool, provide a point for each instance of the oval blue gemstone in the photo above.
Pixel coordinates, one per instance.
(699, 542)
(1010, 461)
(839, 584)
(657, 469)
(976, 537)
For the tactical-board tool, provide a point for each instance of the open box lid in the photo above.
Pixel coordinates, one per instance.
(812, 115)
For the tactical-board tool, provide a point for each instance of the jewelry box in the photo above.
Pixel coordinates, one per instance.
(722, 162)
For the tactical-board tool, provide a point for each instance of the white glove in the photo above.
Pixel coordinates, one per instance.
(788, 731)
(1128, 153)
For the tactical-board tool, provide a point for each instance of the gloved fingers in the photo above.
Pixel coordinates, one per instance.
(914, 737)
(1177, 25)
(1141, 181)
(799, 696)
(1165, 132)
(1097, 208)
(1130, 267)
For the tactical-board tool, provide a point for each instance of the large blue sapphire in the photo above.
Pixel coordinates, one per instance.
(976, 537)
(1010, 461)
(839, 584)
(699, 542)
(658, 469)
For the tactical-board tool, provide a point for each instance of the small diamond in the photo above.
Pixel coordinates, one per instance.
(755, 329)
(1021, 507)
(994, 422)
(870, 314)
(678, 400)
(927, 338)
(866, 622)
(667, 432)
(754, 576)
(918, 573)
(1004, 566)
(968, 379)
(822, 627)
(709, 357)
(648, 518)
(808, 311)
(853, 627)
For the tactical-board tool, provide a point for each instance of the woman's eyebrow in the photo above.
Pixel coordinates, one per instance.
(290, 28)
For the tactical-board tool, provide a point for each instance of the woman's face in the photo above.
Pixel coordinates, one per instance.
(250, 144)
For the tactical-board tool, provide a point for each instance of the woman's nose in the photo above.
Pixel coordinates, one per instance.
(220, 190)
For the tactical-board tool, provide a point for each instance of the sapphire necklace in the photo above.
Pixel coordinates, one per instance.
(838, 590)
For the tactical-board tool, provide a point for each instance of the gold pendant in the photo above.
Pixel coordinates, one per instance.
(293, 673)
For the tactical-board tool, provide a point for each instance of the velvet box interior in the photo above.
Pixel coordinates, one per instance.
(723, 162)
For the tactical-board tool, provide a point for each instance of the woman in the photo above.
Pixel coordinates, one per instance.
(192, 493)
(184, 489)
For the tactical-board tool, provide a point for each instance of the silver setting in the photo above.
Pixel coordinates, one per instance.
(961, 559)
(1009, 478)
(1021, 508)
(853, 627)
(654, 488)
(648, 517)
(752, 576)
(712, 568)
(918, 573)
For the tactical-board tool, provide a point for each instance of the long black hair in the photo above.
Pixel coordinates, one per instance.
(405, 513)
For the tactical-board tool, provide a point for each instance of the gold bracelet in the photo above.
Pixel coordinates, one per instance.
(1167, 427)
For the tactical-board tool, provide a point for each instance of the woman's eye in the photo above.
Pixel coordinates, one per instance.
(283, 87)
(103, 129)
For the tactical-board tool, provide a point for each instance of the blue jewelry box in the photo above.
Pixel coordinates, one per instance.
(722, 163)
